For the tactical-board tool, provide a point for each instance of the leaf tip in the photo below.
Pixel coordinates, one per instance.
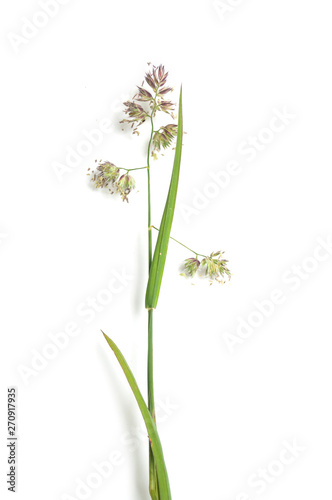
(106, 337)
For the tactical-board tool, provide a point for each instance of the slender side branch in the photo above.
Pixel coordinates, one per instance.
(179, 242)
(131, 169)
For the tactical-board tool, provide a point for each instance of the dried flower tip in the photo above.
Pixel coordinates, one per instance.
(125, 185)
(191, 266)
(105, 174)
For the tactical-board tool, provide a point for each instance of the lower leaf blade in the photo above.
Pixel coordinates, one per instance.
(164, 488)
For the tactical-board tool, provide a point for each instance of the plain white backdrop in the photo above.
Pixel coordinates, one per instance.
(242, 371)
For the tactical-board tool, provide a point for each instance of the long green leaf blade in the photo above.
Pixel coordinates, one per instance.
(164, 488)
(160, 252)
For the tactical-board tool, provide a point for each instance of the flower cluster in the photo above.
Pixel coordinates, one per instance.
(212, 266)
(125, 185)
(136, 114)
(143, 106)
(163, 137)
(156, 79)
(107, 174)
(191, 267)
(216, 267)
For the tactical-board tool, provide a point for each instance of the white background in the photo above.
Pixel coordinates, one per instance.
(229, 413)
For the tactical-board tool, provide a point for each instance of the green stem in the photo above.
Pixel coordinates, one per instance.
(153, 478)
(179, 242)
(150, 365)
(153, 486)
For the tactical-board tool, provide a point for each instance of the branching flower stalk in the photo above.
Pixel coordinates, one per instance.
(215, 266)
(144, 106)
(153, 479)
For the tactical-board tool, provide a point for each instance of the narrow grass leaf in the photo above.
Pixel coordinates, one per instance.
(160, 252)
